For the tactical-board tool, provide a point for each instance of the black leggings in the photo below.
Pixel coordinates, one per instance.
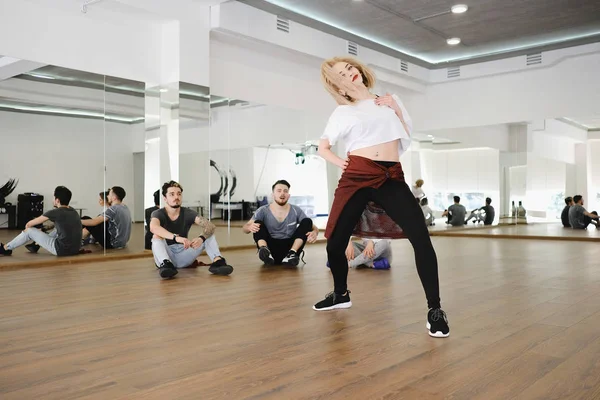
(399, 203)
(280, 247)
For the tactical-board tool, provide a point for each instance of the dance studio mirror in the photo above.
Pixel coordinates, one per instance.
(76, 129)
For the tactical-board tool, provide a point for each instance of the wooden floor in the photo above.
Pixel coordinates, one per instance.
(524, 318)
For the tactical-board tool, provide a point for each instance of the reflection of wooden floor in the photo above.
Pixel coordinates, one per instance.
(541, 231)
(524, 319)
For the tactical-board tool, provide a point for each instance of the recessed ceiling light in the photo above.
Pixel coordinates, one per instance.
(164, 90)
(430, 136)
(453, 41)
(459, 8)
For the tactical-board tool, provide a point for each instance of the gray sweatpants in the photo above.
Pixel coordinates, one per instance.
(383, 249)
(181, 257)
(45, 240)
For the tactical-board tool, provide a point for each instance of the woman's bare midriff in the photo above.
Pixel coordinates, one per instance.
(382, 152)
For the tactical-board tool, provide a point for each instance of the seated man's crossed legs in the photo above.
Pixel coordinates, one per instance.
(169, 258)
(282, 251)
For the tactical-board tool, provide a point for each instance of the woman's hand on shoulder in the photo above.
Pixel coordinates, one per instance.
(388, 100)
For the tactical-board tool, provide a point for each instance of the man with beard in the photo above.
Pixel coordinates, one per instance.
(280, 229)
(170, 244)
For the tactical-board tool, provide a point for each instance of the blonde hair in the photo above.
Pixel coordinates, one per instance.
(419, 182)
(333, 82)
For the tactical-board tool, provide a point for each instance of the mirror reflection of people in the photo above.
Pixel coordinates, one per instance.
(117, 217)
(579, 217)
(171, 246)
(564, 216)
(487, 211)
(417, 189)
(281, 230)
(64, 240)
(147, 217)
(375, 131)
(456, 213)
(427, 212)
(521, 211)
(103, 202)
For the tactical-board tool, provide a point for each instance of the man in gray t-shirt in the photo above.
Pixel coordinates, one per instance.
(456, 213)
(64, 240)
(579, 218)
(117, 219)
(171, 247)
(281, 229)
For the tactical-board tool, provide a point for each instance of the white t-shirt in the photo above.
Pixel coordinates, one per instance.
(418, 192)
(366, 124)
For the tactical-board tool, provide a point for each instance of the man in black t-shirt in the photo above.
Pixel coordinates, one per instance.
(148, 216)
(64, 240)
(564, 216)
(170, 244)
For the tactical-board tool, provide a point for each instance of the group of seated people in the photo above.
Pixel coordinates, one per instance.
(111, 228)
(457, 213)
(575, 216)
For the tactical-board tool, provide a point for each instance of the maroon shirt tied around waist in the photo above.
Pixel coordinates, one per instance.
(374, 222)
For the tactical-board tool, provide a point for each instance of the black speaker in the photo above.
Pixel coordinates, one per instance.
(29, 206)
(12, 216)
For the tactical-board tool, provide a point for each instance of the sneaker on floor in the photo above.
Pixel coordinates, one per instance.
(334, 301)
(4, 251)
(381, 263)
(292, 259)
(265, 255)
(167, 270)
(33, 247)
(437, 323)
(220, 267)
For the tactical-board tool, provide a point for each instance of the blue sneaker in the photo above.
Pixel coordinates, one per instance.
(381, 263)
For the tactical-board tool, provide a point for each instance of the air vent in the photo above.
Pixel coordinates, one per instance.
(454, 72)
(283, 25)
(533, 59)
(403, 66)
(352, 48)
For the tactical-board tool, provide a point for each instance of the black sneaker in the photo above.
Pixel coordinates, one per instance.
(33, 247)
(3, 251)
(167, 270)
(292, 259)
(265, 256)
(220, 267)
(334, 301)
(437, 323)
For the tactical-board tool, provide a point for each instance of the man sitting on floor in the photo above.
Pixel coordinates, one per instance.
(369, 253)
(456, 213)
(487, 210)
(564, 216)
(64, 240)
(118, 220)
(148, 216)
(281, 229)
(579, 218)
(170, 244)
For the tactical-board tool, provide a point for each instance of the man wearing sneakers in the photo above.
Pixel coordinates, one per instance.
(171, 246)
(64, 240)
(281, 229)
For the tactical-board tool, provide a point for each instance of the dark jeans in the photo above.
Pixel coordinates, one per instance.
(280, 247)
(99, 233)
(398, 202)
(587, 220)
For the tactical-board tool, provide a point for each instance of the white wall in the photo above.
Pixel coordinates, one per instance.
(46, 151)
(593, 202)
(308, 179)
(461, 171)
(96, 42)
(545, 178)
